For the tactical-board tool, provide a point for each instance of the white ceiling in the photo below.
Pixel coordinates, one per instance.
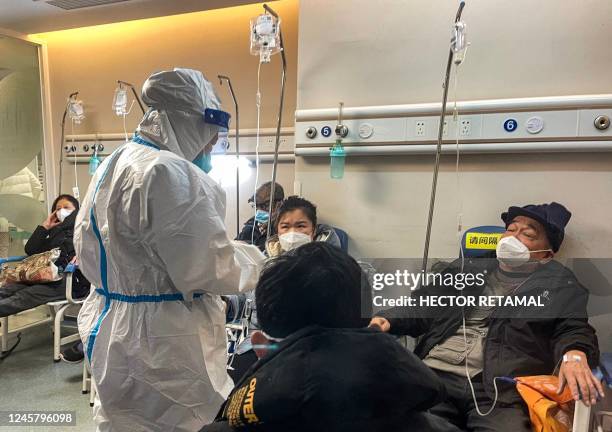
(36, 16)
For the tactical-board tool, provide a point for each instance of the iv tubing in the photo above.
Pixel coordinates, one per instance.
(229, 83)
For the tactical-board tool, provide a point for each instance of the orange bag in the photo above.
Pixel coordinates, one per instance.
(548, 411)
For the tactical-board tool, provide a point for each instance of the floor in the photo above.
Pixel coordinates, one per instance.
(30, 380)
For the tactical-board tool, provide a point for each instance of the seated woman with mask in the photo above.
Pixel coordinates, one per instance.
(295, 223)
(55, 232)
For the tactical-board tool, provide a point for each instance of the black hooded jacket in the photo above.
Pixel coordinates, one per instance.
(335, 380)
(60, 236)
(252, 233)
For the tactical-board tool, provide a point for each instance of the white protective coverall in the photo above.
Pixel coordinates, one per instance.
(151, 238)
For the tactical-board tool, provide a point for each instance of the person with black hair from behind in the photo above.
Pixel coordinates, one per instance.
(319, 368)
(295, 222)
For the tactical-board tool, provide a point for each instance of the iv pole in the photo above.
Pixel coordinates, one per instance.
(61, 161)
(229, 83)
(432, 202)
(278, 126)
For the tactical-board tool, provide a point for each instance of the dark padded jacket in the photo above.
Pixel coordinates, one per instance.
(521, 341)
(335, 380)
(253, 233)
(60, 236)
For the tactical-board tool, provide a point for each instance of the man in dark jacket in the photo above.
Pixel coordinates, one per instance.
(319, 369)
(55, 232)
(254, 230)
(488, 341)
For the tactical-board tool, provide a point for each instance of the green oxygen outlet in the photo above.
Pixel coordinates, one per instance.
(94, 160)
(94, 163)
(337, 155)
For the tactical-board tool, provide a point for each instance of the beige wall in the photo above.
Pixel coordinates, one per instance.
(91, 60)
(394, 52)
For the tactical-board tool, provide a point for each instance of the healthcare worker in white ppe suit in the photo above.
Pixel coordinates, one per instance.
(151, 238)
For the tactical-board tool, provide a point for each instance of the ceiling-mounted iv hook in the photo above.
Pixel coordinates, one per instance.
(280, 114)
(231, 89)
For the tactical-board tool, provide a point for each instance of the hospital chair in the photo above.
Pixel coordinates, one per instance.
(237, 324)
(480, 242)
(57, 311)
(344, 240)
(89, 385)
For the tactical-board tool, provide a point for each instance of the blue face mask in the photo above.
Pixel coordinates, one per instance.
(262, 216)
(204, 162)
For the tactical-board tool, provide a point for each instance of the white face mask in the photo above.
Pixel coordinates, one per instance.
(63, 214)
(293, 239)
(513, 253)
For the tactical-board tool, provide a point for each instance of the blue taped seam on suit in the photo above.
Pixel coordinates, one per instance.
(144, 298)
(103, 260)
(109, 296)
(139, 140)
(103, 264)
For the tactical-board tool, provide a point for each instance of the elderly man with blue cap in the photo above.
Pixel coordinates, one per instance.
(151, 237)
(474, 349)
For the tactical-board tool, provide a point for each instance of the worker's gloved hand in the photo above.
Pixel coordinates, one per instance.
(576, 373)
(380, 323)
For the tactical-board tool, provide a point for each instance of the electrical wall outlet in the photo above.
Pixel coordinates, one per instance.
(420, 128)
(445, 128)
(465, 127)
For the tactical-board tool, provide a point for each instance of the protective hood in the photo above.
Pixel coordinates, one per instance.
(184, 114)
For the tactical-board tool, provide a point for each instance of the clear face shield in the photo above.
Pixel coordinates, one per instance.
(221, 145)
(217, 123)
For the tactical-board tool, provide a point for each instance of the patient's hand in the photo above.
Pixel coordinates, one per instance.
(51, 222)
(381, 323)
(577, 374)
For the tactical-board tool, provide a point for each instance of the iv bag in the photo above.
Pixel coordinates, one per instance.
(459, 41)
(75, 110)
(120, 101)
(265, 37)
